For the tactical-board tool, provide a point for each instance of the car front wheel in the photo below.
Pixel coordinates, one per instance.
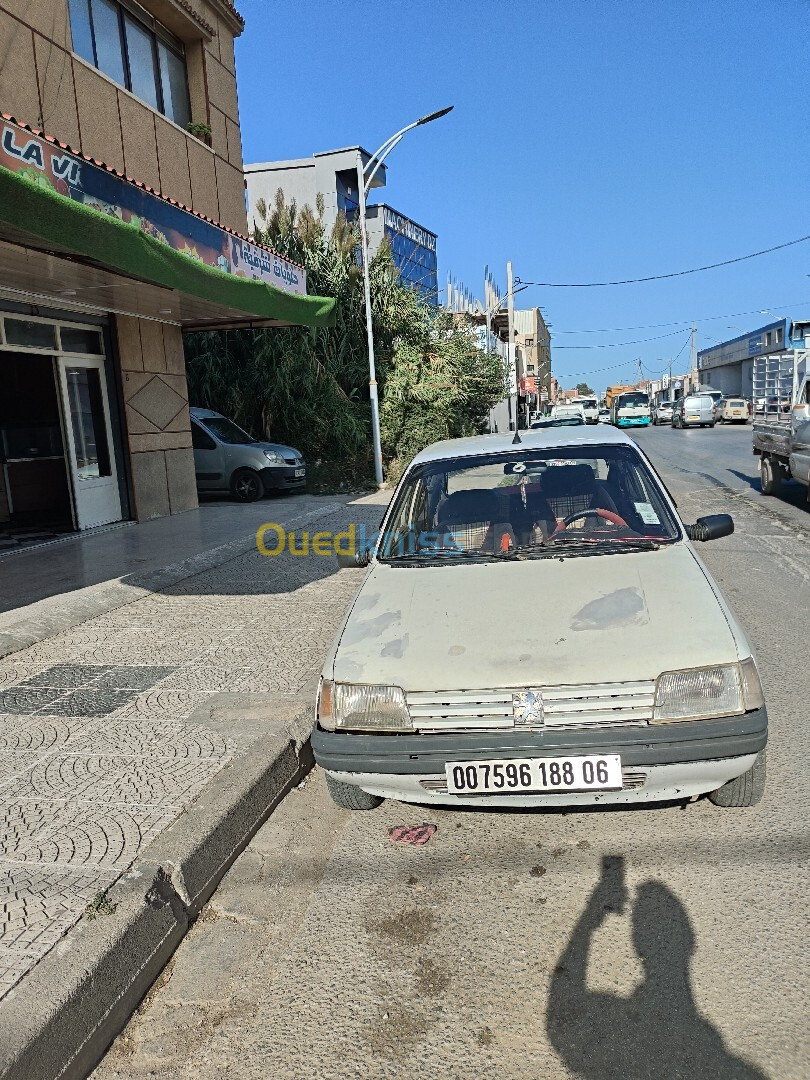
(745, 790)
(350, 797)
(246, 485)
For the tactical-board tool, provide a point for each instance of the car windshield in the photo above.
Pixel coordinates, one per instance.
(577, 500)
(226, 430)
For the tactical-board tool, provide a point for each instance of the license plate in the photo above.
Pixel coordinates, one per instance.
(690, 417)
(502, 777)
(300, 472)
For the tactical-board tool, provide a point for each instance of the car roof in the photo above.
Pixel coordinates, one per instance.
(538, 439)
(203, 414)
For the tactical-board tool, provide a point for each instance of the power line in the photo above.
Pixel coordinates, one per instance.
(662, 277)
(768, 309)
(627, 363)
(618, 344)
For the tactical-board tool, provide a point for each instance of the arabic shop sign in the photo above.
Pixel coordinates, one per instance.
(51, 166)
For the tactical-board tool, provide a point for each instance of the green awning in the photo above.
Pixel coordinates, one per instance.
(69, 226)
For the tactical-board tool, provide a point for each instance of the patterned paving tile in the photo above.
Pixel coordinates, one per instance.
(37, 906)
(108, 778)
(83, 835)
(138, 737)
(132, 678)
(67, 676)
(14, 763)
(25, 700)
(38, 733)
(164, 704)
(89, 703)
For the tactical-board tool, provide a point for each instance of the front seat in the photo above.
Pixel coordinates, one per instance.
(468, 517)
(570, 489)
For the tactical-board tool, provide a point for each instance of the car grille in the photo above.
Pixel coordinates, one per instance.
(599, 705)
(291, 460)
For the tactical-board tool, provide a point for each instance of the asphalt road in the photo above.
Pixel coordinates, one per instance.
(655, 943)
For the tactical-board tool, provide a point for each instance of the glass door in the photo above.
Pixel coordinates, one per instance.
(88, 439)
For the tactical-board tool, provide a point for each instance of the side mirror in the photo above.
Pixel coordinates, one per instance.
(711, 527)
(360, 557)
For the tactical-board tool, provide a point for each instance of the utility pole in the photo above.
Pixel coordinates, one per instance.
(510, 299)
(693, 363)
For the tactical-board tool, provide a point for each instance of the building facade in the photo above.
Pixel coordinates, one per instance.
(332, 177)
(119, 229)
(729, 366)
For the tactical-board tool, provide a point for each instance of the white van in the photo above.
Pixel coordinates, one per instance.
(590, 408)
(609, 688)
(568, 408)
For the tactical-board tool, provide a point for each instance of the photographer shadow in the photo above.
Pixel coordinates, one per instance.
(657, 1033)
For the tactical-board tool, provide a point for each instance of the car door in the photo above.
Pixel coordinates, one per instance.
(800, 422)
(209, 459)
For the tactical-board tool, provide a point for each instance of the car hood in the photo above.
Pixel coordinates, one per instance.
(594, 619)
(278, 448)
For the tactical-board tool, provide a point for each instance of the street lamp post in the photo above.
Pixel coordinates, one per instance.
(363, 185)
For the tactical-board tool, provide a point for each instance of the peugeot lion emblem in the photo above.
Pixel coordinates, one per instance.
(527, 707)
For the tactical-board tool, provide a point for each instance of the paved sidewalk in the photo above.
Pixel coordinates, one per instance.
(110, 729)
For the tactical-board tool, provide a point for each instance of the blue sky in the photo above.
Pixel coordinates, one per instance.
(589, 141)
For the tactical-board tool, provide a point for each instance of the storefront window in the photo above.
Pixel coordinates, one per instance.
(35, 335)
(135, 52)
(80, 339)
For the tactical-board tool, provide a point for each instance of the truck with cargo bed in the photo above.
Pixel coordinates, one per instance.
(781, 437)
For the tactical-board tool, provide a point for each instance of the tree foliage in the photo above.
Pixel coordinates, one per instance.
(584, 390)
(309, 387)
(441, 386)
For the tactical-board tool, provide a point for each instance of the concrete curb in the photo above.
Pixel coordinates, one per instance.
(47, 618)
(64, 1014)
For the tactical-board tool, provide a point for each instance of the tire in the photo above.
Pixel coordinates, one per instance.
(246, 485)
(349, 797)
(711, 425)
(746, 790)
(770, 482)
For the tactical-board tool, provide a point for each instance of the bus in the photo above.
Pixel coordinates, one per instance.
(631, 409)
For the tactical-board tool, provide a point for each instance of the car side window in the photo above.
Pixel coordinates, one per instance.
(200, 439)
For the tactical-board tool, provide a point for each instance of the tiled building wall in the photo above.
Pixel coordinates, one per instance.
(43, 84)
(157, 425)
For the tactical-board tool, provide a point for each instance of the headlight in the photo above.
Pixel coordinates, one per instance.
(271, 455)
(698, 694)
(355, 707)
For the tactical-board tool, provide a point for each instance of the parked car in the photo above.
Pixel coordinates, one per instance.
(443, 686)
(226, 458)
(733, 411)
(604, 416)
(663, 413)
(694, 410)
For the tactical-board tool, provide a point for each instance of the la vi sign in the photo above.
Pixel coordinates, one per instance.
(64, 167)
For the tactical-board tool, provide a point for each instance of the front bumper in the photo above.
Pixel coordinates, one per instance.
(674, 760)
(282, 477)
(633, 421)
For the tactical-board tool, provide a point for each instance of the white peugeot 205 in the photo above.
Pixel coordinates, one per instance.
(517, 639)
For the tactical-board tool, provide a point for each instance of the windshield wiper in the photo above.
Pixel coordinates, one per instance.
(577, 546)
(420, 558)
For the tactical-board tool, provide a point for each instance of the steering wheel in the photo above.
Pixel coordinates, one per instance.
(597, 512)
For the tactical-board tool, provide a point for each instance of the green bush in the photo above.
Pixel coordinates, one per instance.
(309, 388)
